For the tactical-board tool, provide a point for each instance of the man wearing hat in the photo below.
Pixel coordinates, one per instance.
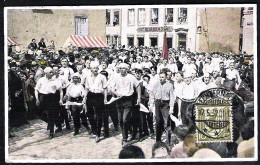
(124, 88)
(29, 93)
(40, 73)
(48, 94)
(95, 88)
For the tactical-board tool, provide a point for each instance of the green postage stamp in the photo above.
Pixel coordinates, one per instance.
(214, 119)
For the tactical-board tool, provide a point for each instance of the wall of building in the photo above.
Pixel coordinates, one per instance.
(23, 25)
(248, 32)
(131, 30)
(222, 26)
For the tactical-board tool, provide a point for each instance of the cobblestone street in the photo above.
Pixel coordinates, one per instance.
(31, 142)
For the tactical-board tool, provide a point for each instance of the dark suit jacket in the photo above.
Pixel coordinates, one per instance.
(32, 45)
(223, 73)
(41, 44)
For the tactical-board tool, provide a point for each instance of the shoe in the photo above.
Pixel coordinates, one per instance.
(51, 136)
(141, 138)
(58, 130)
(76, 132)
(132, 138)
(124, 143)
(97, 139)
(68, 127)
(152, 135)
(106, 136)
(89, 131)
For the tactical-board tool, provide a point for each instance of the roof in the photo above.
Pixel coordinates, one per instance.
(86, 42)
(11, 42)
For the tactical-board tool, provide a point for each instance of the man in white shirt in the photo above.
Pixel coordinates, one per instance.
(95, 88)
(233, 75)
(188, 66)
(124, 88)
(68, 72)
(65, 83)
(138, 64)
(163, 97)
(208, 67)
(75, 93)
(146, 63)
(48, 94)
(187, 95)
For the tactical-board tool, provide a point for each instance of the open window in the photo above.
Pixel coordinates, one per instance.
(154, 16)
(169, 15)
(183, 13)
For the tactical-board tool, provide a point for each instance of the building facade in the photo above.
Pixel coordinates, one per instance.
(145, 26)
(56, 25)
(113, 26)
(248, 30)
(194, 29)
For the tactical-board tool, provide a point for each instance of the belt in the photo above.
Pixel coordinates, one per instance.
(77, 99)
(164, 101)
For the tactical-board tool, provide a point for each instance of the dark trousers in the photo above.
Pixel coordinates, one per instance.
(50, 104)
(186, 113)
(95, 111)
(175, 113)
(110, 110)
(162, 119)
(75, 112)
(136, 120)
(64, 113)
(124, 105)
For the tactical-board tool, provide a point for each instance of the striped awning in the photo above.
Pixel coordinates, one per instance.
(11, 42)
(87, 42)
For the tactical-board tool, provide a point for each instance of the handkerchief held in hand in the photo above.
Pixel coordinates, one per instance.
(175, 120)
(143, 108)
(113, 99)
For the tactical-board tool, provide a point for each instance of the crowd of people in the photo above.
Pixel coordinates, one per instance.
(135, 87)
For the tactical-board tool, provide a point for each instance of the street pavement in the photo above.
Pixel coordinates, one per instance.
(31, 142)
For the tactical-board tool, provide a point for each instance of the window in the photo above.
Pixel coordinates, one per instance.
(81, 24)
(140, 41)
(130, 41)
(116, 18)
(183, 15)
(153, 41)
(141, 16)
(169, 42)
(108, 40)
(154, 16)
(182, 41)
(131, 17)
(115, 40)
(169, 15)
(107, 17)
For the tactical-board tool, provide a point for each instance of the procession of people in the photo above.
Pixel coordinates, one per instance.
(136, 88)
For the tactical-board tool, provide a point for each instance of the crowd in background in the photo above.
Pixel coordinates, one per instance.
(87, 78)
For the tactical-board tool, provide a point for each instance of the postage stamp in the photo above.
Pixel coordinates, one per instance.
(214, 120)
